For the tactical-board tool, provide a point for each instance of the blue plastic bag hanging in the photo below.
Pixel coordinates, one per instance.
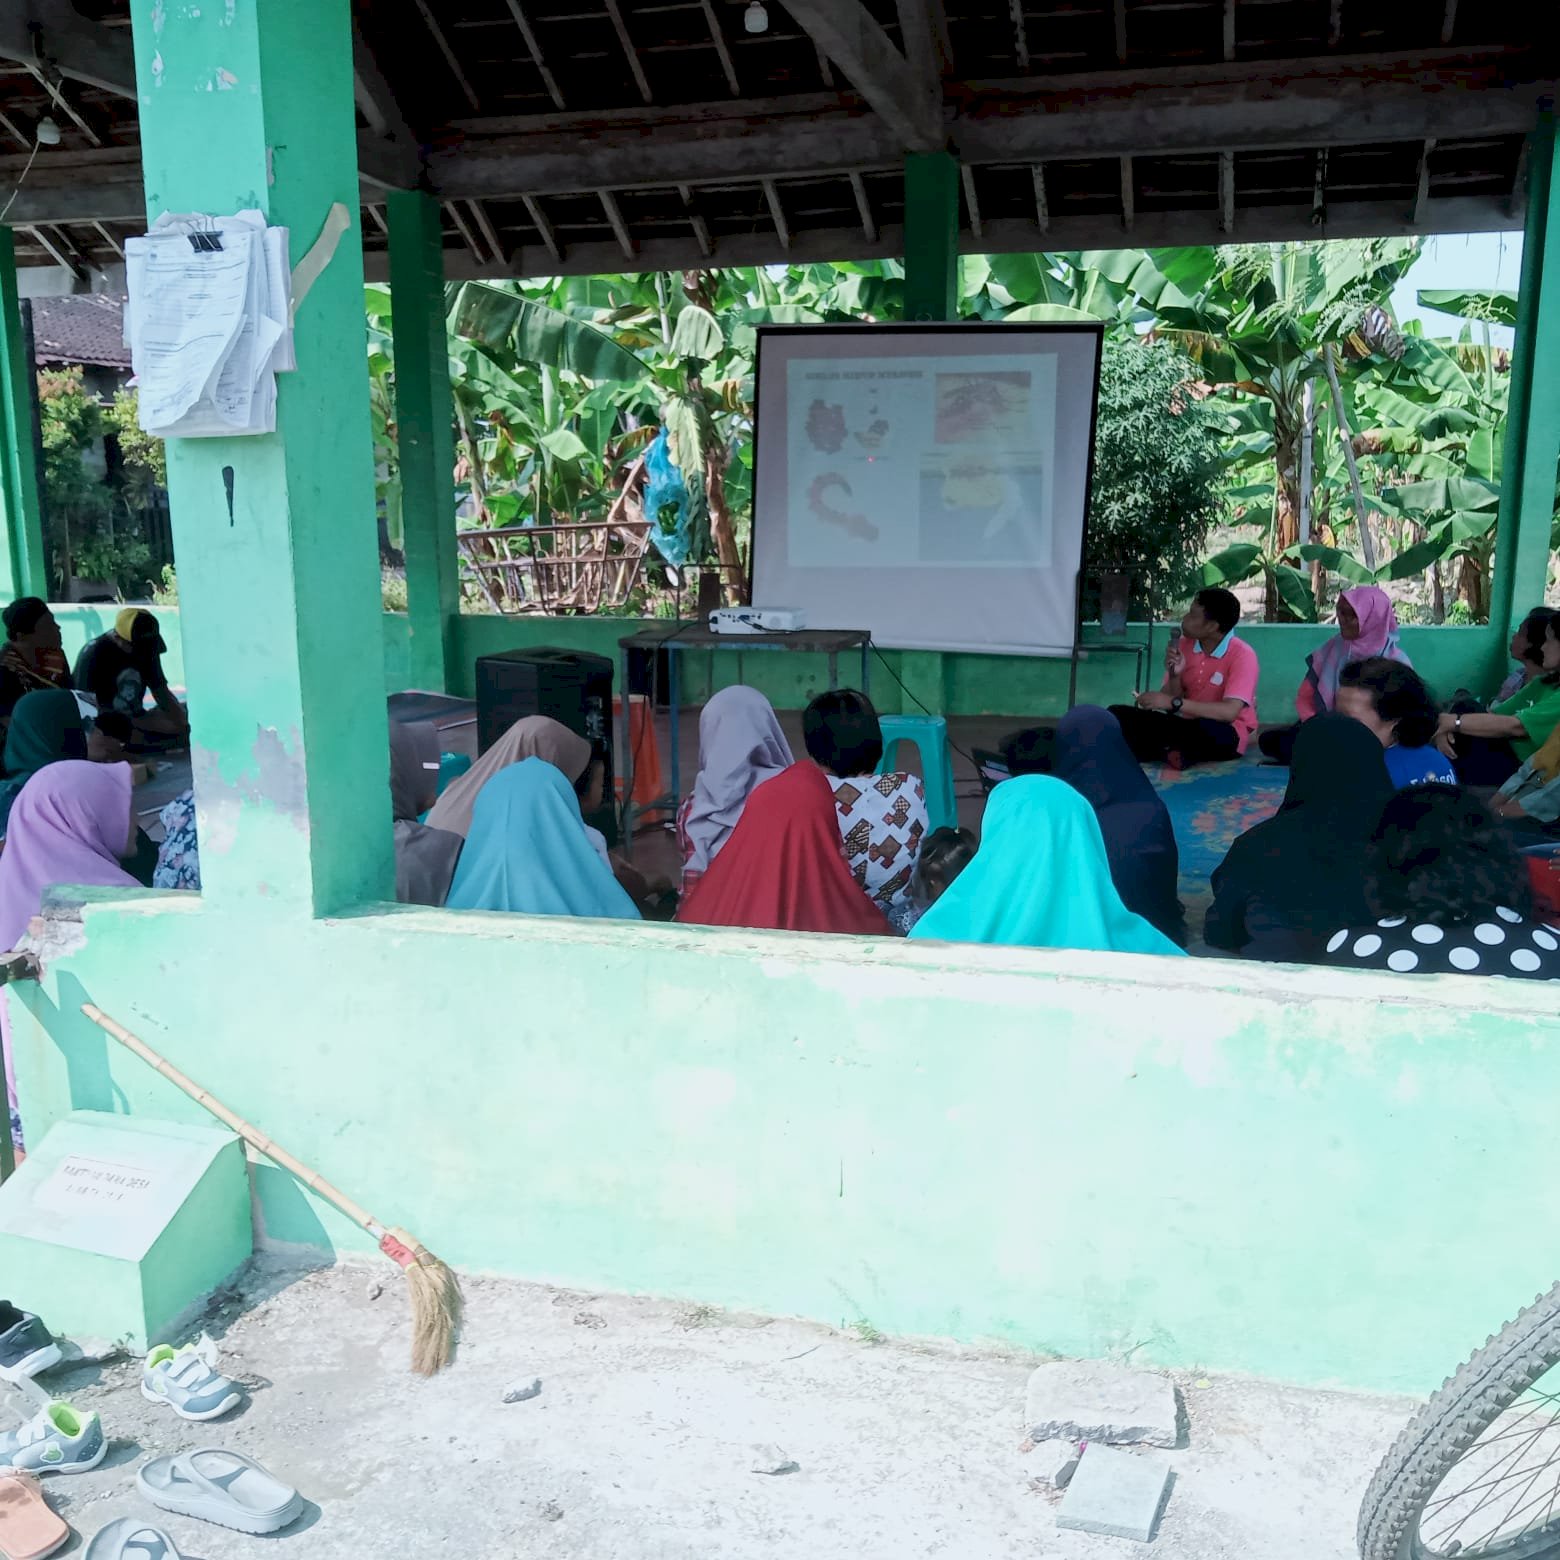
(666, 503)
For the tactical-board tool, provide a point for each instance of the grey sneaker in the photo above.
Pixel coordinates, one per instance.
(57, 1439)
(188, 1383)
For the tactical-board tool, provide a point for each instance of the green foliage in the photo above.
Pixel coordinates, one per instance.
(1157, 471)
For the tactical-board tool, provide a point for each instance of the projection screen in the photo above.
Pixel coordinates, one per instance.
(928, 482)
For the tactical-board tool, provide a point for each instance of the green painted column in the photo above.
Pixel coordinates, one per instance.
(426, 442)
(931, 236)
(1532, 450)
(22, 568)
(252, 106)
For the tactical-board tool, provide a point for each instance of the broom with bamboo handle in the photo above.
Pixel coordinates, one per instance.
(435, 1291)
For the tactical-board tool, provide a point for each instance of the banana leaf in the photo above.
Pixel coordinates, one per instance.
(1231, 566)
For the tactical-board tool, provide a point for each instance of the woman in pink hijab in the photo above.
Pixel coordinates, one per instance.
(72, 823)
(1367, 627)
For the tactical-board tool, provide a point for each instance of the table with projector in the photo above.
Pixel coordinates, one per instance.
(737, 629)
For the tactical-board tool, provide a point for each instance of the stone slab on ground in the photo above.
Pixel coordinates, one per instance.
(1054, 1462)
(640, 1446)
(1115, 1493)
(1095, 1400)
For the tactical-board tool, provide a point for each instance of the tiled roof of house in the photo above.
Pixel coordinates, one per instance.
(82, 328)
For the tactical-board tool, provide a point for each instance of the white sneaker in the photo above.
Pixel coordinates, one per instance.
(188, 1382)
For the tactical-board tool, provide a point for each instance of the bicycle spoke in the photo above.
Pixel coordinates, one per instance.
(1502, 1485)
(1493, 1483)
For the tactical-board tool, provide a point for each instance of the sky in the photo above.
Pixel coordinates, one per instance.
(1470, 260)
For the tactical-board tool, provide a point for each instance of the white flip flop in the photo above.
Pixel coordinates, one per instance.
(131, 1539)
(227, 1488)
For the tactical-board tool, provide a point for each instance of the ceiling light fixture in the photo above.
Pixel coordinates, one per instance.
(48, 131)
(756, 17)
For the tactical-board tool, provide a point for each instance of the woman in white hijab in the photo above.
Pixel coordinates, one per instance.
(741, 746)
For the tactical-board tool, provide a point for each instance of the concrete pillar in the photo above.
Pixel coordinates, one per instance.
(1532, 449)
(252, 106)
(425, 440)
(22, 568)
(931, 236)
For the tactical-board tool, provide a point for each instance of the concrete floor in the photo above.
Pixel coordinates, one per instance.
(640, 1446)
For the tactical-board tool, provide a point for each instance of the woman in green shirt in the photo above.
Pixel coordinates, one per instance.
(1487, 748)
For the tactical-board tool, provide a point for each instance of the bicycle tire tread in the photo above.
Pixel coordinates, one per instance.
(1453, 1417)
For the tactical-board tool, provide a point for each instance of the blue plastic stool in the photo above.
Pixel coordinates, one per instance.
(929, 733)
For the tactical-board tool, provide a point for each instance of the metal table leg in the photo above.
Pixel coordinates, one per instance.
(673, 694)
(626, 748)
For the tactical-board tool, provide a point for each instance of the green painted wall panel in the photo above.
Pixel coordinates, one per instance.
(1232, 1167)
(1448, 658)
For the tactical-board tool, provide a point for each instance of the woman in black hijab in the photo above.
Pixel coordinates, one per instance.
(1290, 882)
(1091, 755)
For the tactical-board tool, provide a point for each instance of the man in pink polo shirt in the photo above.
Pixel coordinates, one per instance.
(1207, 708)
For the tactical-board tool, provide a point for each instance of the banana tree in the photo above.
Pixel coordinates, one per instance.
(1265, 321)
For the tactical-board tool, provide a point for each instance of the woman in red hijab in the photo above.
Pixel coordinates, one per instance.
(783, 867)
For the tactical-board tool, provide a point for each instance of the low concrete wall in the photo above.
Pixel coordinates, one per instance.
(952, 683)
(1311, 1175)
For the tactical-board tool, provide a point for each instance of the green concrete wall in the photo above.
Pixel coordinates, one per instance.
(1310, 1175)
(1448, 658)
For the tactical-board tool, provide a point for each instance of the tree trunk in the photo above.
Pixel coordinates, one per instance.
(733, 581)
(1473, 587)
(1437, 594)
(1346, 438)
(1286, 488)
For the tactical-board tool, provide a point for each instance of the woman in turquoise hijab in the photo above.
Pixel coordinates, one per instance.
(527, 851)
(1041, 879)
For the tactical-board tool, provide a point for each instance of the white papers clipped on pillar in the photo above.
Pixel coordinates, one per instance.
(207, 324)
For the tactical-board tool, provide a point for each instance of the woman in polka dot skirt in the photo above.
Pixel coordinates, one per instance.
(1449, 894)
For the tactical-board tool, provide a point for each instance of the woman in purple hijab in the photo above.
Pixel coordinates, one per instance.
(72, 823)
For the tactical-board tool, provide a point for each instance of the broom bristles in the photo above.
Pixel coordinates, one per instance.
(436, 1305)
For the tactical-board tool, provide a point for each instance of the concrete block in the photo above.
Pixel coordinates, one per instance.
(1054, 1462)
(1093, 1400)
(115, 1226)
(1119, 1494)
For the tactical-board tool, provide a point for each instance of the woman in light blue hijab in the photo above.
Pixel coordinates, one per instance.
(527, 851)
(1041, 879)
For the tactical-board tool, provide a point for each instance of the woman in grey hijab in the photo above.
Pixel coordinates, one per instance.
(424, 858)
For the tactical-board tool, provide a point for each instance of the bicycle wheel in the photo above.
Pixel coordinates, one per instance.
(1476, 1472)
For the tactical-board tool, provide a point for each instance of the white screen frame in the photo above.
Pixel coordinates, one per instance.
(1044, 598)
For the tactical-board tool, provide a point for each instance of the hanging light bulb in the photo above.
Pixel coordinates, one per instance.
(756, 17)
(48, 131)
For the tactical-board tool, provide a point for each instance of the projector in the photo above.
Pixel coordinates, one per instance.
(756, 620)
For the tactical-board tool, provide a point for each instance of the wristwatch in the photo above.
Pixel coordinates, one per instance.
(1457, 724)
(1175, 704)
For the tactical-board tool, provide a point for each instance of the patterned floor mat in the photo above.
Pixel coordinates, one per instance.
(1209, 805)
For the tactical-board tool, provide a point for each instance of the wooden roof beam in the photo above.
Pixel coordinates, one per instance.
(971, 198)
(544, 228)
(614, 215)
(615, 11)
(1448, 21)
(869, 227)
(713, 23)
(777, 214)
(1042, 204)
(1226, 192)
(1422, 184)
(1282, 221)
(528, 36)
(53, 34)
(392, 149)
(907, 102)
(701, 228)
(1119, 18)
(1021, 33)
(1128, 195)
(450, 59)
